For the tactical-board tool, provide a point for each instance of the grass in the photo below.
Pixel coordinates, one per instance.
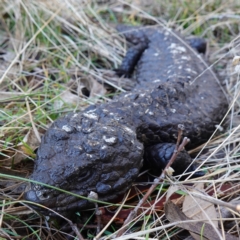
(49, 50)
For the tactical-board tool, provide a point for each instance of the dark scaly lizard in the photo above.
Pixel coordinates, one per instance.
(101, 149)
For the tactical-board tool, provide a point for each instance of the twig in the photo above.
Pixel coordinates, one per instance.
(32, 121)
(75, 229)
(178, 149)
(180, 133)
(98, 212)
(72, 225)
(109, 222)
(3, 208)
(203, 196)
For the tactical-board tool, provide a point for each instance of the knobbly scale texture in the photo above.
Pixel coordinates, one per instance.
(101, 149)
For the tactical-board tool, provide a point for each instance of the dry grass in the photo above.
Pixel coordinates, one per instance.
(52, 53)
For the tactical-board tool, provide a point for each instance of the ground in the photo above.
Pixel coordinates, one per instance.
(58, 56)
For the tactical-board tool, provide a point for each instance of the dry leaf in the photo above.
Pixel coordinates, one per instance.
(196, 208)
(236, 60)
(226, 212)
(9, 56)
(172, 189)
(97, 89)
(170, 171)
(11, 74)
(10, 185)
(175, 215)
(68, 97)
(23, 150)
(26, 148)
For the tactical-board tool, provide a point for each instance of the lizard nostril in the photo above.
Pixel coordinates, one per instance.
(31, 196)
(45, 195)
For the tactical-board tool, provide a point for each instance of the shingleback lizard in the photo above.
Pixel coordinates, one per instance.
(102, 148)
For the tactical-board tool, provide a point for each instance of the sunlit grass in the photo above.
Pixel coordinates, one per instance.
(48, 48)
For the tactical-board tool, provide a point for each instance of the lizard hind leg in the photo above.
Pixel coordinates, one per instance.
(157, 156)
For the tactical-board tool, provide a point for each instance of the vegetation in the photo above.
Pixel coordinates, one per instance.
(58, 56)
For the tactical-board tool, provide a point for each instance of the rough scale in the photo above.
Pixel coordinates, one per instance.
(101, 149)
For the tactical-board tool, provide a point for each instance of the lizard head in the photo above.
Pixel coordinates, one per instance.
(80, 154)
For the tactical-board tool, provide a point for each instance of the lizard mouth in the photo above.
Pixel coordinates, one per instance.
(48, 201)
(37, 197)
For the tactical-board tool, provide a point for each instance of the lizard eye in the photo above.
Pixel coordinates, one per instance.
(84, 175)
(80, 175)
(43, 194)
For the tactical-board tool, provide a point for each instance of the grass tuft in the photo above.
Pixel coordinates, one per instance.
(58, 56)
